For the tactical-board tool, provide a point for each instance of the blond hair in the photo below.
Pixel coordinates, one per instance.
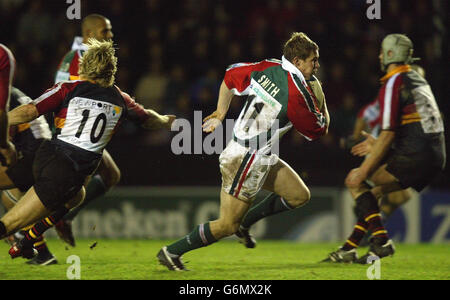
(299, 45)
(99, 63)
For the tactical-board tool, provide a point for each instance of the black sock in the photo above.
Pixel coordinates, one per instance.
(271, 205)
(32, 235)
(370, 211)
(41, 246)
(359, 231)
(95, 188)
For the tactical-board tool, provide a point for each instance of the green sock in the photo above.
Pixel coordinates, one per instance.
(201, 236)
(271, 205)
(95, 188)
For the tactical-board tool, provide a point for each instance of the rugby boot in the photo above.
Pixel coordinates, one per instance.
(171, 261)
(18, 250)
(377, 250)
(43, 258)
(246, 238)
(342, 256)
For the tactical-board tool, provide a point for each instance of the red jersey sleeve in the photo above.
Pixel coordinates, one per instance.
(389, 99)
(238, 76)
(7, 68)
(52, 99)
(135, 111)
(303, 112)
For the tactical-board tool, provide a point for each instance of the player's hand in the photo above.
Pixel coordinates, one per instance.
(8, 154)
(211, 122)
(355, 178)
(364, 148)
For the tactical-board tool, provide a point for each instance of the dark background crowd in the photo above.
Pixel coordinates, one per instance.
(173, 55)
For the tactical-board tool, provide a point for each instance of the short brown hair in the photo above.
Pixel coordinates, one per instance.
(299, 45)
(99, 63)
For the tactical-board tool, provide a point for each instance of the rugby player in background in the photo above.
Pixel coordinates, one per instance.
(63, 164)
(16, 179)
(409, 151)
(108, 173)
(7, 68)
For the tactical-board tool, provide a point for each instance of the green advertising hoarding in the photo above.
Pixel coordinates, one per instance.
(172, 212)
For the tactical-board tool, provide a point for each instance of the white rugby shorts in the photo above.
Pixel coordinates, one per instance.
(244, 170)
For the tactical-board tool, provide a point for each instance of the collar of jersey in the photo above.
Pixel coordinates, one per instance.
(288, 66)
(78, 44)
(399, 69)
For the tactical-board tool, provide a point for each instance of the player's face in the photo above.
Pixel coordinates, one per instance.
(309, 66)
(103, 31)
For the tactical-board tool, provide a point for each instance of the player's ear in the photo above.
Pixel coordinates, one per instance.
(296, 61)
(390, 53)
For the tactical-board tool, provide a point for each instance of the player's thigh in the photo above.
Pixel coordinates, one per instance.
(232, 210)
(384, 182)
(400, 197)
(108, 170)
(285, 182)
(27, 211)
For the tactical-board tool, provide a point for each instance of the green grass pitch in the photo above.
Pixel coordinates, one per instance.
(226, 260)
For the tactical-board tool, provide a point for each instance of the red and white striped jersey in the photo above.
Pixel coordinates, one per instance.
(278, 98)
(371, 116)
(68, 67)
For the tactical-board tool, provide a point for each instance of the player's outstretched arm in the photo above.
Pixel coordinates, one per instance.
(23, 114)
(211, 122)
(157, 121)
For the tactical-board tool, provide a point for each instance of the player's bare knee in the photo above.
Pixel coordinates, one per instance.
(299, 199)
(111, 176)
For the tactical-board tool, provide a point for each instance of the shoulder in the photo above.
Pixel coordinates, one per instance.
(258, 65)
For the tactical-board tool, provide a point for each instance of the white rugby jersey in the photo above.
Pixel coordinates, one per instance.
(87, 115)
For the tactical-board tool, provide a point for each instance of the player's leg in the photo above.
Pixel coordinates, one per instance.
(44, 256)
(368, 217)
(232, 210)
(8, 201)
(27, 211)
(108, 175)
(47, 220)
(393, 201)
(288, 192)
